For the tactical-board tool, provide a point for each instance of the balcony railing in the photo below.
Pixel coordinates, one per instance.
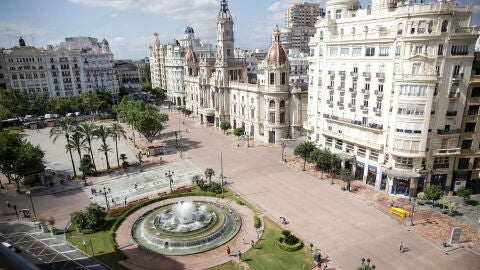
(341, 88)
(365, 92)
(453, 95)
(441, 166)
(331, 72)
(457, 77)
(341, 73)
(379, 93)
(354, 74)
(330, 87)
(448, 132)
(367, 74)
(381, 75)
(354, 122)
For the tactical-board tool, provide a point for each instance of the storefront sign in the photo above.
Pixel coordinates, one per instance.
(459, 183)
(455, 235)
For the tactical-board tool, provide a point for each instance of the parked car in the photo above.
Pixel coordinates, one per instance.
(48, 116)
(77, 113)
(69, 114)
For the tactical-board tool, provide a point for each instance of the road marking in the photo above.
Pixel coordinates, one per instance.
(53, 257)
(46, 239)
(21, 238)
(68, 251)
(82, 258)
(55, 245)
(34, 242)
(93, 265)
(36, 233)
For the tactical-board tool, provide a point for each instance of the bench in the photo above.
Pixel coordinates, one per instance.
(399, 212)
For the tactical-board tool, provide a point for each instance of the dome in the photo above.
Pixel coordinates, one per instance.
(276, 55)
(191, 57)
(189, 30)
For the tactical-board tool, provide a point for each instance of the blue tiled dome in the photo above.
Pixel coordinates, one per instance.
(189, 30)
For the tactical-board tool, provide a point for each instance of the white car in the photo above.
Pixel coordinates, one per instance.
(69, 114)
(77, 113)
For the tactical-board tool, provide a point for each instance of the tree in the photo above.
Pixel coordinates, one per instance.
(13, 103)
(77, 142)
(92, 217)
(209, 172)
(321, 158)
(225, 126)
(117, 132)
(239, 132)
(149, 124)
(88, 132)
(433, 193)
(86, 165)
(91, 103)
(346, 176)
(18, 158)
(304, 149)
(64, 128)
(102, 133)
(39, 105)
(160, 95)
(197, 180)
(465, 193)
(123, 157)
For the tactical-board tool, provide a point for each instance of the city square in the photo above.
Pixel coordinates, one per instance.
(343, 139)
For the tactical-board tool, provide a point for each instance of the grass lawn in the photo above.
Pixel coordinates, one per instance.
(227, 266)
(101, 242)
(265, 255)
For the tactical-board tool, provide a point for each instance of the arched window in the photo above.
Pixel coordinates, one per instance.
(400, 28)
(271, 105)
(321, 35)
(444, 26)
(282, 104)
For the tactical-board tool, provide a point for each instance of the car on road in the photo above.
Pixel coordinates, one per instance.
(9, 246)
(69, 114)
(77, 113)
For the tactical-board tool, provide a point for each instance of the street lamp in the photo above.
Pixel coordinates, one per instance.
(106, 190)
(414, 201)
(168, 175)
(283, 150)
(31, 201)
(366, 266)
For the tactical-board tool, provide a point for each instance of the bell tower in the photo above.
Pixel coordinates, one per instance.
(225, 37)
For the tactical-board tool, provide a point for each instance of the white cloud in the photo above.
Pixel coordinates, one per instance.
(10, 32)
(114, 15)
(197, 13)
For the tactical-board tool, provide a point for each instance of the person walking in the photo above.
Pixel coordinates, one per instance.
(400, 247)
(239, 256)
(252, 243)
(8, 204)
(228, 251)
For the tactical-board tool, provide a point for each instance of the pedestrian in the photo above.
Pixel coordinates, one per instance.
(252, 243)
(109, 190)
(125, 201)
(91, 190)
(113, 201)
(228, 251)
(239, 256)
(8, 204)
(135, 186)
(400, 247)
(186, 130)
(392, 203)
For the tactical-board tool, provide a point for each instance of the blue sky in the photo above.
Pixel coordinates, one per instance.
(129, 24)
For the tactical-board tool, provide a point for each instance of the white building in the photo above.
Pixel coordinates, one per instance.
(76, 65)
(388, 87)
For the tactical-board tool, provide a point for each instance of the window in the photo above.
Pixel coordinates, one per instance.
(367, 86)
(456, 70)
(416, 69)
(284, 78)
(362, 152)
(350, 148)
(338, 14)
(400, 28)
(441, 162)
(404, 163)
(418, 49)
(444, 26)
(459, 49)
(271, 118)
(476, 163)
(466, 144)
(282, 117)
(430, 27)
(475, 92)
(398, 50)
(357, 51)
(228, 52)
(252, 113)
(344, 52)
(370, 51)
(271, 105)
(339, 144)
(470, 127)
(463, 163)
(384, 51)
(333, 51)
(413, 90)
(373, 155)
(421, 27)
(411, 109)
(282, 104)
(440, 49)
(272, 78)
(328, 142)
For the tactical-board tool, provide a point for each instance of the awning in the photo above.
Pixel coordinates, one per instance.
(344, 156)
(399, 173)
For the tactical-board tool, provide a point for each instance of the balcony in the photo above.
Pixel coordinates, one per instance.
(453, 95)
(449, 132)
(331, 73)
(341, 73)
(340, 104)
(341, 89)
(380, 75)
(457, 77)
(330, 87)
(351, 90)
(366, 92)
(354, 74)
(351, 106)
(377, 111)
(367, 75)
(379, 93)
(451, 113)
(441, 166)
(364, 108)
(329, 102)
(371, 126)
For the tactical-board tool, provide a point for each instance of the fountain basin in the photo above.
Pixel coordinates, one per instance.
(184, 228)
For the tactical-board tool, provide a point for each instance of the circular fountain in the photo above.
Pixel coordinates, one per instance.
(186, 227)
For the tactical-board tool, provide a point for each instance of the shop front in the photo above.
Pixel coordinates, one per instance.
(403, 181)
(439, 180)
(371, 175)
(359, 170)
(401, 186)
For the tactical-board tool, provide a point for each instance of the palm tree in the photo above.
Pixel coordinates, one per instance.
(103, 133)
(88, 131)
(117, 132)
(77, 143)
(105, 148)
(64, 128)
(209, 172)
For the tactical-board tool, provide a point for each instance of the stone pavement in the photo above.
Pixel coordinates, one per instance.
(142, 259)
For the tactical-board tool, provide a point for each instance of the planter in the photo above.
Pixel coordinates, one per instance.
(53, 230)
(45, 228)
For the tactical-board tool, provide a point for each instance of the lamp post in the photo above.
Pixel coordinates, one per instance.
(414, 201)
(31, 201)
(366, 264)
(168, 175)
(104, 193)
(283, 150)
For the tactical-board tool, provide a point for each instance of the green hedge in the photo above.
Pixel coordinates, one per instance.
(257, 222)
(280, 245)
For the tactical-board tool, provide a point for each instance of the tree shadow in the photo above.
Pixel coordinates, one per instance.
(471, 202)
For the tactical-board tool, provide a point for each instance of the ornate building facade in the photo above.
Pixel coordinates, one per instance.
(219, 90)
(388, 88)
